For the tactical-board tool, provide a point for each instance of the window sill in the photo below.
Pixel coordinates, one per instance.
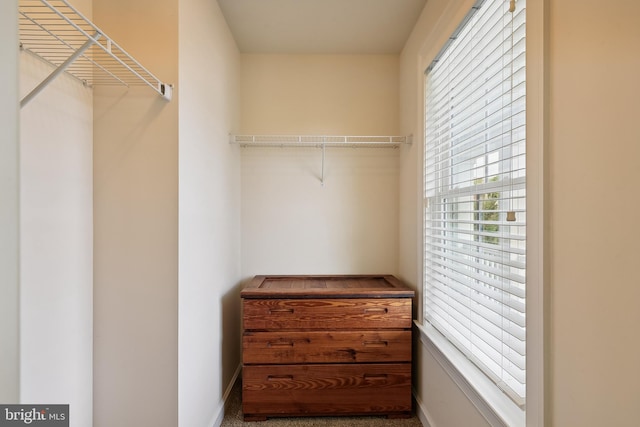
(491, 402)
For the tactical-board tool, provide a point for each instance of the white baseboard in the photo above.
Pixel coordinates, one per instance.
(217, 419)
(421, 412)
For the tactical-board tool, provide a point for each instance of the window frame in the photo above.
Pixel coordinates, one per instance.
(537, 53)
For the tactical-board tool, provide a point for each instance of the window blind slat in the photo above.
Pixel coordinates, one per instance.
(478, 266)
(500, 294)
(510, 329)
(478, 337)
(455, 310)
(479, 234)
(483, 344)
(510, 261)
(511, 250)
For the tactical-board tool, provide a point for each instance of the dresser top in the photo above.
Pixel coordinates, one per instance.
(344, 286)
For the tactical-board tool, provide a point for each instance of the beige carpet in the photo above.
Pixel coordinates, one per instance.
(233, 418)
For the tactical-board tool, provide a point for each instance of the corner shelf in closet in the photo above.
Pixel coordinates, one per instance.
(59, 34)
(320, 141)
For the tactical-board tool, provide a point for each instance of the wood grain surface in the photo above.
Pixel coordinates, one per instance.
(330, 313)
(326, 347)
(327, 389)
(345, 286)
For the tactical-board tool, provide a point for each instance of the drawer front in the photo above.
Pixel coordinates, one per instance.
(340, 313)
(326, 347)
(326, 389)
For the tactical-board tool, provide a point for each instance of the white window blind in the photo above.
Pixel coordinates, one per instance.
(474, 177)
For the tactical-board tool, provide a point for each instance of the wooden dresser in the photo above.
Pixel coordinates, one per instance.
(326, 345)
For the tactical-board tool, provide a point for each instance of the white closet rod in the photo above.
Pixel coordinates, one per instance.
(58, 33)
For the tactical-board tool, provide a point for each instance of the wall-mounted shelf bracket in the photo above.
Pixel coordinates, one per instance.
(321, 141)
(59, 34)
(60, 69)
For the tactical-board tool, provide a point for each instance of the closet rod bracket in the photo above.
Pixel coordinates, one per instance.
(166, 91)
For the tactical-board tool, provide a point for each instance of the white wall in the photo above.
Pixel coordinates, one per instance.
(594, 144)
(136, 225)
(56, 240)
(320, 94)
(9, 208)
(209, 223)
(290, 222)
(294, 225)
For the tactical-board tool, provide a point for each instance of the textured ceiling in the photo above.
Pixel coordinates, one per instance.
(321, 26)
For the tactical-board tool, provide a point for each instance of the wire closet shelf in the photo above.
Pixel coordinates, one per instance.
(59, 34)
(319, 141)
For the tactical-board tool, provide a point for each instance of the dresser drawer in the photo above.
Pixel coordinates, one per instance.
(338, 313)
(326, 347)
(343, 389)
